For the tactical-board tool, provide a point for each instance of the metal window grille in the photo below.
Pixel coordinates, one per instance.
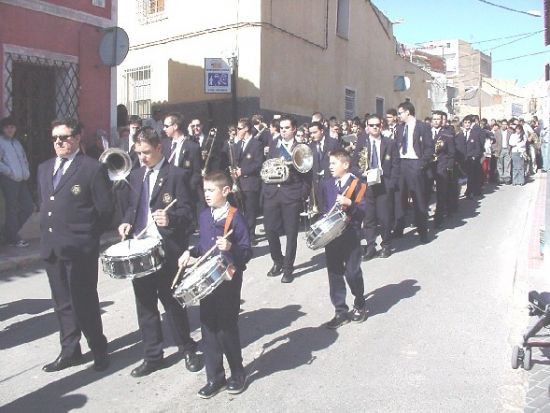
(138, 91)
(149, 11)
(98, 3)
(380, 106)
(349, 104)
(66, 82)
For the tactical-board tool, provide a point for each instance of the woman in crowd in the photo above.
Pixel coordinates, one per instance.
(517, 143)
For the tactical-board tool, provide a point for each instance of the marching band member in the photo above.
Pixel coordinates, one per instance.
(282, 204)
(248, 157)
(219, 311)
(416, 148)
(381, 153)
(321, 146)
(76, 205)
(444, 163)
(156, 185)
(473, 138)
(343, 254)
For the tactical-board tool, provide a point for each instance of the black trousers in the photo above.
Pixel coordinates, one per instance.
(283, 218)
(344, 265)
(251, 201)
(443, 194)
(76, 303)
(378, 213)
(219, 313)
(148, 291)
(475, 176)
(412, 181)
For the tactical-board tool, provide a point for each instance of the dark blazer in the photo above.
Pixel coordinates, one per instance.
(298, 185)
(250, 161)
(74, 215)
(356, 212)
(388, 157)
(322, 165)
(170, 184)
(446, 157)
(423, 143)
(189, 160)
(474, 144)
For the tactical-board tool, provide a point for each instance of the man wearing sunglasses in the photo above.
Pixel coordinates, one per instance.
(75, 208)
(382, 154)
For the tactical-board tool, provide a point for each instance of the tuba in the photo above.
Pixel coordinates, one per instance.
(117, 162)
(276, 171)
(439, 144)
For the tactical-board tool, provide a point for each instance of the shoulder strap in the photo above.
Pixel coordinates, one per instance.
(229, 219)
(351, 188)
(360, 193)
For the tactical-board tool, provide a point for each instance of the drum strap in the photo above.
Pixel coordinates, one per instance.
(229, 219)
(351, 189)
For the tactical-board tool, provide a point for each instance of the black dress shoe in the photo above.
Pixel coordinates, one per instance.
(369, 254)
(276, 270)
(338, 321)
(101, 361)
(193, 361)
(287, 278)
(147, 367)
(211, 389)
(358, 315)
(236, 384)
(423, 237)
(385, 252)
(397, 233)
(62, 362)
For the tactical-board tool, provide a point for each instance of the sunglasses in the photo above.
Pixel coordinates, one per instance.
(374, 125)
(195, 126)
(240, 128)
(166, 126)
(62, 138)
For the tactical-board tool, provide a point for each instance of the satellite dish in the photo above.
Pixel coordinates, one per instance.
(114, 46)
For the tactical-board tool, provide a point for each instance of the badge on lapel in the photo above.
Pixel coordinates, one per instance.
(248, 156)
(388, 157)
(76, 190)
(160, 182)
(187, 164)
(166, 198)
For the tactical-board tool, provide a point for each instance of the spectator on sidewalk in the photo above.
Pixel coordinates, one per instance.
(14, 173)
(518, 141)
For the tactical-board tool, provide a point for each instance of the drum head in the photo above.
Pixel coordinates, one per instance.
(131, 247)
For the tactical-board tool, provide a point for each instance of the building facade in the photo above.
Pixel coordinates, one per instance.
(334, 56)
(50, 68)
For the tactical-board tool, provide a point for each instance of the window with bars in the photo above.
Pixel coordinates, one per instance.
(138, 91)
(98, 3)
(342, 18)
(349, 104)
(150, 10)
(380, 106)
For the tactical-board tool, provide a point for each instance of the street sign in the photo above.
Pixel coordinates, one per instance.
(217, 76)
(517, 110)
(114, 46)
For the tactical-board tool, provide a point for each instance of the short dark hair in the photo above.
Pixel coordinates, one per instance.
(7, 121)
(342, 155)
(177, 118)
(218, 178)
(276, 124)
(440, 113)
(147, 135)
(135, 119)
(256, 119)
(293, 122)
(407, 106)
(392, 112)
(246, 122)
(374, 116)
(71, 123)
(317, 125)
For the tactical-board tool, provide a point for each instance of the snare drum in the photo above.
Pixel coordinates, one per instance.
(203, 280)
(327, 229)
(133, 258)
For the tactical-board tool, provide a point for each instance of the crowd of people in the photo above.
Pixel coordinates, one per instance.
(371, 170)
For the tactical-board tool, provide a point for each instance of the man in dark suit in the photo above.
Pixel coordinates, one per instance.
(502, 153)
(416, 148)
(248, 158)
(444, 143)
(382, 154)
(282, 204)
(75, 207)
(321, 146)
(474, 138)
(157, 184)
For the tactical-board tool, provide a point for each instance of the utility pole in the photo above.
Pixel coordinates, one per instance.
(234, 77)
(480, 85)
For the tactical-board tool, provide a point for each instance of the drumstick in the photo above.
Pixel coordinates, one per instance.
(144, 230)
(199, 261)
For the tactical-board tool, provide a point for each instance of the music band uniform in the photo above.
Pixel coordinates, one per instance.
(343, 254)
(219, 311)
(321, 157)
(444, 168)
(379, 198)
(72, 219)
(282, 205)
(170, 184)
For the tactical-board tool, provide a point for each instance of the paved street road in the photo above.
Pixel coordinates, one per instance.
(438, 339)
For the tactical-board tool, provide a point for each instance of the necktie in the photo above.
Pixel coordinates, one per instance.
(339, 186)
(172, 152)
(319, 152)
(59, 173)
(405, 139)
(142, 214)
(374, 157)
(241, 150)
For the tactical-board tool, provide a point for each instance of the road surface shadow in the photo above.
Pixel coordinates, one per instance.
(290, 351)
(382, 299)
(24, 306)
(258, 323)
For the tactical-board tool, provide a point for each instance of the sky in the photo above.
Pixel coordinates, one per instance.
(475, 21)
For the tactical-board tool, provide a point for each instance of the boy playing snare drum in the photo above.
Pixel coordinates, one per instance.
(219, 311)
